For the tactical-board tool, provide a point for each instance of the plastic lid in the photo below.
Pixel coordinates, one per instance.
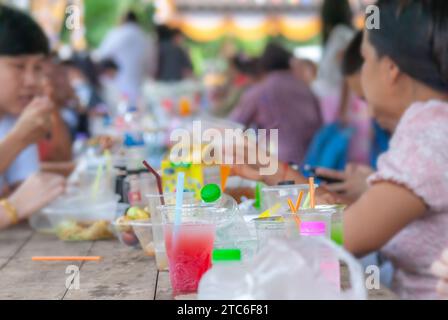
(287, 183)
(222, 255)
(210, 193)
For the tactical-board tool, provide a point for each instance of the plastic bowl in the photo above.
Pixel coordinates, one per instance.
(76, 217)
(143, 230)
(123, 231)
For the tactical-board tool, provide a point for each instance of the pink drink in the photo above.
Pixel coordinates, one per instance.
(189, 256)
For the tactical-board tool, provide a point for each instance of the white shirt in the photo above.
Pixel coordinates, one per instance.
(134, 52)
(24, 165)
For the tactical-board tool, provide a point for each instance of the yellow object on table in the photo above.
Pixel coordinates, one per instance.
(10, 210)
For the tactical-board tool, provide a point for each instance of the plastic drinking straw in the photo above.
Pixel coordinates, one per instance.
(179, 203)
(225, 173)
(296, 207)
(108, 157)
(96, 184)
(313, 200)
(306, 203)
(158, 179)
(268, 213)
(258, 198)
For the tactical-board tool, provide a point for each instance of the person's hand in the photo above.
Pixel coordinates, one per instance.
(35, 121)
(440, 270)
(353, 181)
(36, 192)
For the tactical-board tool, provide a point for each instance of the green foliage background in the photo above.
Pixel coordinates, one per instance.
(101, 15)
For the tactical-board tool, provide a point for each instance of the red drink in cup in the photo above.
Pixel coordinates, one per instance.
(189, 252)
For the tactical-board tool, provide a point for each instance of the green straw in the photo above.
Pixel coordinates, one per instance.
(96, 184)
(306, 204)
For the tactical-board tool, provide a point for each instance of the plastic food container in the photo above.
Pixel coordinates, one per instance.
(272, 196)
(76, 217)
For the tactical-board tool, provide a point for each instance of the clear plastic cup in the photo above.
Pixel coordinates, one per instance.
(189, 245)
(154, 201)
(337, 222)
(275, 227)
(272, 196)
(313, 222)
(144, 233)
(267, 228)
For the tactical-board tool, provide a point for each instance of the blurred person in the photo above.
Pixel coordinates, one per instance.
(353, 181)
(337, 30)
(281, 101)
(174, 63)
(304, 69)
(243, 73)
(404, 212)
(134, 51)
(108, 71)
(58, 146)
(34, 194)
(25, 112)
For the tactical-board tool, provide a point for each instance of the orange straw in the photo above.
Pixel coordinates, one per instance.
(66, 258)
(313, 203)
(225, 173)
(296, 208)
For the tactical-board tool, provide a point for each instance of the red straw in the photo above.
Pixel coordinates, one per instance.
(159, 180)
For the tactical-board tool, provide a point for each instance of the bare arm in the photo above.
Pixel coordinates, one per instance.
(10, 148)
(32, 195)
(384, 210)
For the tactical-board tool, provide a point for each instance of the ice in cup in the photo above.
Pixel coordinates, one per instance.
(188, 245)
(189, 251)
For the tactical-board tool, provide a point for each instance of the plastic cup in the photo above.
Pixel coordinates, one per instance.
(314, 222)
(144, 232)
(337, 222)
(280, 194)
(154, 201)
(267, 228)
(189, 245)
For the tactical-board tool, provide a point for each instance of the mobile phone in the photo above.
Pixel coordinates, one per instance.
(312, 171)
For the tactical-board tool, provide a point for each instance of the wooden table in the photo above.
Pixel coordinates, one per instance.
(123, 273)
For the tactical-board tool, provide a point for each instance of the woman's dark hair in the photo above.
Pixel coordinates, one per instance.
(246, 65)
(20, 34)
(334, 13)
(414, 34)
(275, 58)
(166, 33)
(353, 60)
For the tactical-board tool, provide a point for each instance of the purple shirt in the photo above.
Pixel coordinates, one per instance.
(281, 101)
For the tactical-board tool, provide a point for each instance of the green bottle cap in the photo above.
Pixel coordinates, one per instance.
(210, 193)
(223, 255)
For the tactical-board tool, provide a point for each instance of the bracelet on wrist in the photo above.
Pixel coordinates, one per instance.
(10, 210)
